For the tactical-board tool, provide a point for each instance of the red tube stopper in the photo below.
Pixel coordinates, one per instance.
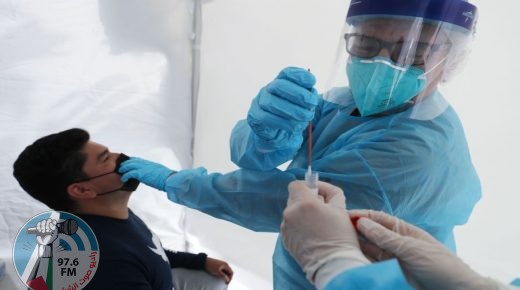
(354, 221)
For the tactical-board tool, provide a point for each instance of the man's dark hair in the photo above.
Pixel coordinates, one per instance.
(46, 168)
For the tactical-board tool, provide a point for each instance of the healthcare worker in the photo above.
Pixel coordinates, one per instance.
(321, 237)
(389, 139)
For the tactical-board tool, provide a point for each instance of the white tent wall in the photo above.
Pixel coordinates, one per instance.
(246, 43)
(120, 69)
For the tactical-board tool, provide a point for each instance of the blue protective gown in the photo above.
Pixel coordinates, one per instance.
(363, 278)
(413, 164)
(418, 169)
(389, 276)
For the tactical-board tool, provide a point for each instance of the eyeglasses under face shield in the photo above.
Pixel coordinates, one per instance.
(409, 32)
(364, 46)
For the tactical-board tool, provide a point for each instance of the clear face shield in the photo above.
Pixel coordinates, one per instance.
(392, 58)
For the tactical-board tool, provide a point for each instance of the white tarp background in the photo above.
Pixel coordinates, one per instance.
(122, 70)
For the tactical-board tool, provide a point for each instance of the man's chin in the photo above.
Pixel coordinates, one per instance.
(125, 192)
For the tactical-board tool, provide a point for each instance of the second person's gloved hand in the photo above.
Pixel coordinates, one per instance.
(426, 262)
(316, 230)
(283, 109)
(148, 172)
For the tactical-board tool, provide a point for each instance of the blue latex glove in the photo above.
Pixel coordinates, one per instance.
(283, 109)
(148, 172)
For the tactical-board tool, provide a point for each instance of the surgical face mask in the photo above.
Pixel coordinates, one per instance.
(379, 85)
(130, 185)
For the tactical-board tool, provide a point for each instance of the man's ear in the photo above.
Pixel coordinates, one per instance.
(80, 191)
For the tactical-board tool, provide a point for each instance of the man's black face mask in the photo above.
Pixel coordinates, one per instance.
(130, 185)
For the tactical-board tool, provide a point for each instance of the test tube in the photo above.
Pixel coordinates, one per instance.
(311, 180)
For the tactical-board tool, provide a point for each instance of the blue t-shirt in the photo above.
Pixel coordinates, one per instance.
(132, 257)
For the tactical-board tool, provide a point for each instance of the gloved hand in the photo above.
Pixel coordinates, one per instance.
(283, 109)
(426, 263)
(148, 172)
(318, 230)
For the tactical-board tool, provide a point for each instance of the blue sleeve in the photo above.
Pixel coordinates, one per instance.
(383, 275)
(247, 151)
(186, 260)
(252, 199)
(516, 282)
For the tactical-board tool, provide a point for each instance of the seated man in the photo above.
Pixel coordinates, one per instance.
(68, 172)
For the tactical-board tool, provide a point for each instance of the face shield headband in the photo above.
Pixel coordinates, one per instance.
(457, 12)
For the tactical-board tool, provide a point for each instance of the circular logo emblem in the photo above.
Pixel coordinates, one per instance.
(56, 250)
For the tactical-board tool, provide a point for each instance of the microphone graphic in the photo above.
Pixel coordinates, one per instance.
(67, 227)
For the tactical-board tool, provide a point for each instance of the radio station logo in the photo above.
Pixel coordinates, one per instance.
(56, 250)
